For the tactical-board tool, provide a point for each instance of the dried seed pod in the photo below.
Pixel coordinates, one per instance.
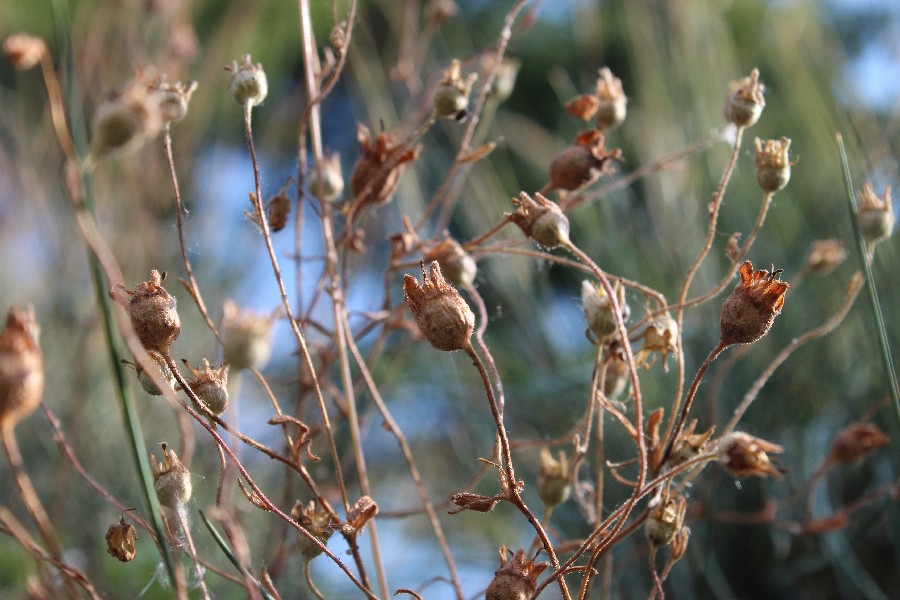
(744, 103)
(171, 479)
(690, 445)
(248, 84)
(748, 313)
(856, 441)
(452, 97)
(332, 181)
(553, 481)
(540, 219)
(146, 381)
(612, 104)
(743, 455)
(128, 119)
(173, 98)
(153, 313)
(875, 214)
(120, 539)
(21, 368)
(316, 520)
(825, 256)
(376, 175)
(516, 579)
(210, 385)
(246, 336)
(773, 166)
(457, 265)
(666, 518)
(598, 310)
(476, 502)
(582, 162)
(24, 51)
(442, 315)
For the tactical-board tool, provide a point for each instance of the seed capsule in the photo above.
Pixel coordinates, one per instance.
(248, 84)
(171, 479)
(748, 313)
(152, 311)
(442, 315)
(745, 100)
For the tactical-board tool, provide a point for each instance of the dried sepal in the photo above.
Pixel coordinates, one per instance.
(749, 312)
(540, 219)
(442, 315)
(21, 368)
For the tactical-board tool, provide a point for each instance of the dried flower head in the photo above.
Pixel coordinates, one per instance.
(452, 97)
(128, 119)
(248, 84)
(21, 368)
(153, 312)
(856, 441)
(171, 479)
(660, 336)
(773, 166)
(24, 51)
(476, 502)
(743, 455)
(331, 185)
(825, 256)
(540, 219)
(173, 98)
(516, 579)
(120, 539)
(748, 313)
(376, 175)
(146, 381)
(316, 520)
(553, 482)
(613, 101)
(598, 310)
(246, 336)
(442, 315)
(210, 385)
(583, 162)
(362, 511)
(457, 265)
(666, 518)
(690, 445)
(745, 101)
(875, 214)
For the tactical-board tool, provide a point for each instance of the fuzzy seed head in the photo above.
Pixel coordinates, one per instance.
(171, 479)
(21, 368)
(598, 310)
(457, 265)
(516, 579)
(371, 182)
(745, 100)
(246, 336)
(442, 315)
(773, 166)
(248, 84)
(153, 313)
(583, 162)
(553, 484)
(120, 539)
(743, 455)
(332, 181)
(748, 313)
(452, 97)
(24, 51)
(540, 219)
(875, 214)
(210, 384)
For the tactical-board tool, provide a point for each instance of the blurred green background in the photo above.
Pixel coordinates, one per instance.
(827, 66)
